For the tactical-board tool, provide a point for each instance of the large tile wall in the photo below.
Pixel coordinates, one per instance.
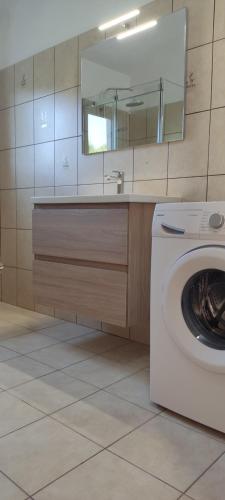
(40, 137)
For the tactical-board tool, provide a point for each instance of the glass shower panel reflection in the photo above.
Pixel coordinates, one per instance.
(123, 117)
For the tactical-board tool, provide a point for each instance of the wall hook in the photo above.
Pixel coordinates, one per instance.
(23, 81)
(190, 82)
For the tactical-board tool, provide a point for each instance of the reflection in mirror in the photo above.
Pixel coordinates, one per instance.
(133, 88)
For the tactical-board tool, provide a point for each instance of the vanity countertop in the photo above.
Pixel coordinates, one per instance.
(117, 198)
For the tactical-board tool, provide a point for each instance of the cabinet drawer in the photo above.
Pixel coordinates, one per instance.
(92, 234)
(95, 292)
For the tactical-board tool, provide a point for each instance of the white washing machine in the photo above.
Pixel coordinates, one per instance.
(187, 361)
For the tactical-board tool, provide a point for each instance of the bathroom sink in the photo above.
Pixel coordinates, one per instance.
(112, 198)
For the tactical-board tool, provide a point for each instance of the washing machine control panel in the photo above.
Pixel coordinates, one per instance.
(203, 220)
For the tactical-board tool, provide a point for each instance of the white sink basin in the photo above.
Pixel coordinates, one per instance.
(116, 198)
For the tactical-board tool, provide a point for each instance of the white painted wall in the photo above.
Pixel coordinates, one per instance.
(29, 26)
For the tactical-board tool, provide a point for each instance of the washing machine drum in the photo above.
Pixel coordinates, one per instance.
(203, 305)
(193, 305)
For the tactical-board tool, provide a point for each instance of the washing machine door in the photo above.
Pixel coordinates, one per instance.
(193, 303)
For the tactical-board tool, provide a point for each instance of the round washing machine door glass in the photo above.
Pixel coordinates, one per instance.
(203, 306)
(194, 305)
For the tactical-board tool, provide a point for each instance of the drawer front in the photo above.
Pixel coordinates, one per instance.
(93, 234)
(94, 292)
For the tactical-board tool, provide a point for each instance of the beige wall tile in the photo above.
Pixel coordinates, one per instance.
(66, 114)
(150, 162)
(155, 187)
(9, 285)
(218, 86)
(24, 90)
(90, 189)
(44, 73)
(7, 128)
(189, 188)
(44, 164)
(25, 167)
(8, 247)
(66, 64)
(219, 24)
(79, 112)
(200, 20)
(65, 190)
(190, 157)
(7, 169)
(90, 168)
(154, 10)
(7, 87)
(25, 289)
(24, 124)
(89, 38)
(199, 62)
(119, 160)
(8, 208)
(217, 142)
(66, 162)
(86, 40)
(44, 119)
(24, 248)
(111, 187)
(24, 208)
(44, 191)
(216, 188)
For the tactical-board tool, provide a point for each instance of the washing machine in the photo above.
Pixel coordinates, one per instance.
(187, 337)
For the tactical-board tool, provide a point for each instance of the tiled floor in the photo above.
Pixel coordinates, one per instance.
(76, 422)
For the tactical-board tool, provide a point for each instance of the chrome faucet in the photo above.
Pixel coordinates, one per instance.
(119, 176)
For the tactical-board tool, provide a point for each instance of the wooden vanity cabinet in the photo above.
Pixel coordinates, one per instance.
(95, 259)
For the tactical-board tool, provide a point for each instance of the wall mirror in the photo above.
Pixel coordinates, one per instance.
(133, 89)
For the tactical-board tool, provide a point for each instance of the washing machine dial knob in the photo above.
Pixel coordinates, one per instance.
(216, 221)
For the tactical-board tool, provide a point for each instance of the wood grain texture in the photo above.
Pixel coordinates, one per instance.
(97, 293)
(92, 234)
(139, 257)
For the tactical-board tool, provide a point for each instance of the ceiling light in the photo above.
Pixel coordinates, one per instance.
(119, 20)
(137, 29)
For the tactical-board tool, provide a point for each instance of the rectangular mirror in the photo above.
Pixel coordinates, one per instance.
(133, 89)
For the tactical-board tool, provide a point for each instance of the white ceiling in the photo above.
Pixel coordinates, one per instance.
(29, 26)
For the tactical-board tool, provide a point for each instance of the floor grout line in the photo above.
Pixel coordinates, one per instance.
(67, 472)
(204, 472)
(26, 425)
(95, 442)
(15, 484)
(90, 458)
(146, 472)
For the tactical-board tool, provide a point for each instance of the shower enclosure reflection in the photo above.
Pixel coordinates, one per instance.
(123, 104)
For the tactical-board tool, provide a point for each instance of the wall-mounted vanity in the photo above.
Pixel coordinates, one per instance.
(92, 256)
